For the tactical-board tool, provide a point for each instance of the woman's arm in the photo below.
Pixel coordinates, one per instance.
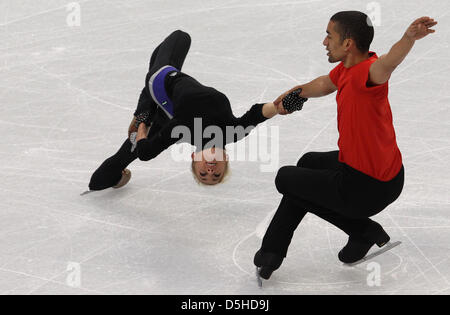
(132, 128)
(148, 149)
(269, 110)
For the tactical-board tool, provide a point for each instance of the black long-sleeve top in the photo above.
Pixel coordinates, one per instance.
(193, 100)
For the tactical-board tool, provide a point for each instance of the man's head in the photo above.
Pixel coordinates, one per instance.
(210, 166)
(348, 32)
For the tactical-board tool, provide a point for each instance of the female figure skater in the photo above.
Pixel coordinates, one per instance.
(172, 99)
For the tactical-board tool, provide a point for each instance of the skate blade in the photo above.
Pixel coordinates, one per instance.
(87, 192)
(258, 278)
(384, 249)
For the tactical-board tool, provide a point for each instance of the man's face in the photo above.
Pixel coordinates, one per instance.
(210, 165)
(335, 47)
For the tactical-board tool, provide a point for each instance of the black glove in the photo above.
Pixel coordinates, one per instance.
(293, 101)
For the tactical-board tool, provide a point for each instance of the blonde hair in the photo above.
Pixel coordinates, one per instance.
(226, 174)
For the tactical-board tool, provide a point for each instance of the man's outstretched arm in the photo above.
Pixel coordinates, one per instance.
(381, 70)
(321, 86)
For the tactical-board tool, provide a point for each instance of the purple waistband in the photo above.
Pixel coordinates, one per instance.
(158, 90)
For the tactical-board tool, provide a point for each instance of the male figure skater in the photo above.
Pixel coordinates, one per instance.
(170, 99)
(348, 186)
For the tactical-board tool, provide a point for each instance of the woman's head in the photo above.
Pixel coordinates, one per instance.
(210, 166)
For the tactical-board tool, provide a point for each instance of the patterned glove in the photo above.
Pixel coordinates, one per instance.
(293, 101)
(143, 117)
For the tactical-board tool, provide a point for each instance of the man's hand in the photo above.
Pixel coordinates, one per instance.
(420, 28)
(279, 103)
(293, 101)
(289, 102)
(279, 99)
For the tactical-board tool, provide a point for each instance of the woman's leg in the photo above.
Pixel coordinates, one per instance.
(172, 51)
(110, 172)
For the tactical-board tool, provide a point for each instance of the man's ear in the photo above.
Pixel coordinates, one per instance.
(193, 155)
(348, 43)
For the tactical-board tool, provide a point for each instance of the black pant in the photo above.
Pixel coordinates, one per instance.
(335, 192)
(172, 51)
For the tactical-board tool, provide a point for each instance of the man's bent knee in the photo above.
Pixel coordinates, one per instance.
(280, 180)
(303, 162)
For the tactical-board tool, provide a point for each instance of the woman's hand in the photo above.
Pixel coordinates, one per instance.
(270, 110)
(132, 127)
(280, 108)
(279, 99)
(142, 132)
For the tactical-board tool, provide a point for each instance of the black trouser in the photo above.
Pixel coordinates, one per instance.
(335, 192)
(172, 51)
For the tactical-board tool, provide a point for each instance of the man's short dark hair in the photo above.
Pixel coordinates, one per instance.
(355, 25)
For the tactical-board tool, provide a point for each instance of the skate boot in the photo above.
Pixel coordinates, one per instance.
(267, 263)
(358, 246)
(126, 176)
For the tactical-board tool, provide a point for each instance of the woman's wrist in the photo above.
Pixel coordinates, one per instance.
(269, 110)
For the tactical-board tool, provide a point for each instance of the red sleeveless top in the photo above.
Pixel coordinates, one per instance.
(367, 139)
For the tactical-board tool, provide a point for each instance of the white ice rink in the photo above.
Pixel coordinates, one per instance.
(67, 94)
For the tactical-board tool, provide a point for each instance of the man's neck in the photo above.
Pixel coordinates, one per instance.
(354, 59)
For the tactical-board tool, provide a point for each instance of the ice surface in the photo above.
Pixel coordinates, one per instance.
(66, 98)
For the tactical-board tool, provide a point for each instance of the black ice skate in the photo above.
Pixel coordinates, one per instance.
(126, 176)
(266, 264)
(357, 247)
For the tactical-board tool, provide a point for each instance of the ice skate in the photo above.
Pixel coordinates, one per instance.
(266, 264)
(357, 247)
(126, 176)
(388, 246)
